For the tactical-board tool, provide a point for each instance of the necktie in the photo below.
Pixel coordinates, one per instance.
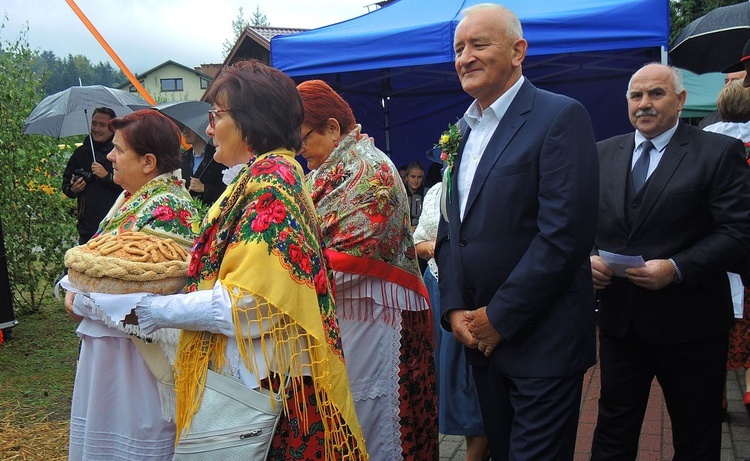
(640, 169)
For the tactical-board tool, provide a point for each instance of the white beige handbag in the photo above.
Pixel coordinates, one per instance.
(233, 422)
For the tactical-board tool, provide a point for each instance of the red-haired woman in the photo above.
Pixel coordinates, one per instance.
(381, 300)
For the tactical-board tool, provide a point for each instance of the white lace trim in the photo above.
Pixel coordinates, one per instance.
(372, 345)
(428, 221)
(391, 424)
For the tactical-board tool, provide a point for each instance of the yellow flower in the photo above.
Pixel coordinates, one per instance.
(449, 143)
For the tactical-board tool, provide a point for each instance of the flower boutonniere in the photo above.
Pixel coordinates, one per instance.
(448, 144)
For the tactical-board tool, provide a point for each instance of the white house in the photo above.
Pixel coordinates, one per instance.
(171, 81)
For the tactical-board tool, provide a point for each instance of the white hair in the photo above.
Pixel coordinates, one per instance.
(679, 85)
(511, 22)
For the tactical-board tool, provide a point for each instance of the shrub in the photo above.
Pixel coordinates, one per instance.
(37, 223)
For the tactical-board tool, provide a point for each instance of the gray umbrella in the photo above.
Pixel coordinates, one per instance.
(68, 112)
(192, 114)
(713, 41)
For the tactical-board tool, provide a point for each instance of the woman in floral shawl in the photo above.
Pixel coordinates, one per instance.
(259, 307)
(119, 410)
(381, 299)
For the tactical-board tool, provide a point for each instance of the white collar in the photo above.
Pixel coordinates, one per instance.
(660, 141)
(474, 113)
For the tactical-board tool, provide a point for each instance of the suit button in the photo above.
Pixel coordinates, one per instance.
(635, 204)
(472, 290)
(462, 242)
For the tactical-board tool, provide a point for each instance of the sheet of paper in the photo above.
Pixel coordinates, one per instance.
(618, 263)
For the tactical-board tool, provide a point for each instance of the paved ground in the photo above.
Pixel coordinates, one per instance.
(656, 435)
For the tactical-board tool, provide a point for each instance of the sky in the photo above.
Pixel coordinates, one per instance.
(146, 33)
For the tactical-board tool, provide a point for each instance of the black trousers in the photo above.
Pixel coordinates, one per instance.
(532, 419)
(691, 376)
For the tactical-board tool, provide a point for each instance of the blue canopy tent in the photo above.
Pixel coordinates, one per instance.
(395, 65)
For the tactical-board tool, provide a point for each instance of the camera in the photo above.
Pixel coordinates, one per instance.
(86, 175)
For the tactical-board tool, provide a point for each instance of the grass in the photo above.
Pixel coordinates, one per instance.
(37, 369)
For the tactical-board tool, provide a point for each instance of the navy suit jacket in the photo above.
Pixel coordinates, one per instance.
(209, 172)
(523, 246)
(696, 210)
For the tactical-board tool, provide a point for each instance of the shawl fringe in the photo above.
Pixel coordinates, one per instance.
(392, 298)
(259, 240)
(364, 266)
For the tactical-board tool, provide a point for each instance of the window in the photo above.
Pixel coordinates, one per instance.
(171, 84)
(133, 89)
(204, 83)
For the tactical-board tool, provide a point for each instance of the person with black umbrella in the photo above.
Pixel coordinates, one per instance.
(88, 175)
(742, 64)
(201, 172)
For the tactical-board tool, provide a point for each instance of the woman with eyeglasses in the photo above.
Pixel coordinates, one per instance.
(259, 306)
(381, 300)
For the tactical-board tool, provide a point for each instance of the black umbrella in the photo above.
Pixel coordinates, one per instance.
(713, 41)
(192, 114)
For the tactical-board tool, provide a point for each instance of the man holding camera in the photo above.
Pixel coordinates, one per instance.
(88, 175)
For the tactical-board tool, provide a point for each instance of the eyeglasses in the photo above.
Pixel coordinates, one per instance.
(212, 116)
(305, 137)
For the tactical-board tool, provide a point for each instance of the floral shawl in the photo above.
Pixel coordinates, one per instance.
(161, 207)
(364, 211)
(260, 239)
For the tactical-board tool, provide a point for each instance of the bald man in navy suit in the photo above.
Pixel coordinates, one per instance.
(513, 247)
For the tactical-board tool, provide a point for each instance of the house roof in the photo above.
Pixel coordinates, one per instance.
(255, 43)
(270, 32)
(209, 69)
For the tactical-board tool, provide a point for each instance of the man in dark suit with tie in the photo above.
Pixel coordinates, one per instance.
(513, 247)
(201, 173)
(680, 198)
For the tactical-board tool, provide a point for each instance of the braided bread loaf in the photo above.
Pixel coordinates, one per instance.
(130, 262)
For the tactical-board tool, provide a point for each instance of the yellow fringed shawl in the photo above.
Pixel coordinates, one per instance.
(260, 239)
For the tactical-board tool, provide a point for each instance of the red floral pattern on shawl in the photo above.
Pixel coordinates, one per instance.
(364, 213)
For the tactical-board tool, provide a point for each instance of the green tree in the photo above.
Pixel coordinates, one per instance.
(105, 74)
(240, 23)
(35, 213)
(259, 19)
(683, 12)
(60, 74)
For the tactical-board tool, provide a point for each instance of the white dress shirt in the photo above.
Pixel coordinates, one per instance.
(483, 125)
(660, 143)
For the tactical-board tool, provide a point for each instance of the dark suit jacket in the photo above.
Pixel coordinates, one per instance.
(209, 172)
(100, 193)
(522, 248)
(695, 210)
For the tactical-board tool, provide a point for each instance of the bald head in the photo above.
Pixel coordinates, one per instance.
(655, 98)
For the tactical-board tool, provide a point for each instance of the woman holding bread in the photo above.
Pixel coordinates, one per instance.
(119, 410)
(259, 307)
